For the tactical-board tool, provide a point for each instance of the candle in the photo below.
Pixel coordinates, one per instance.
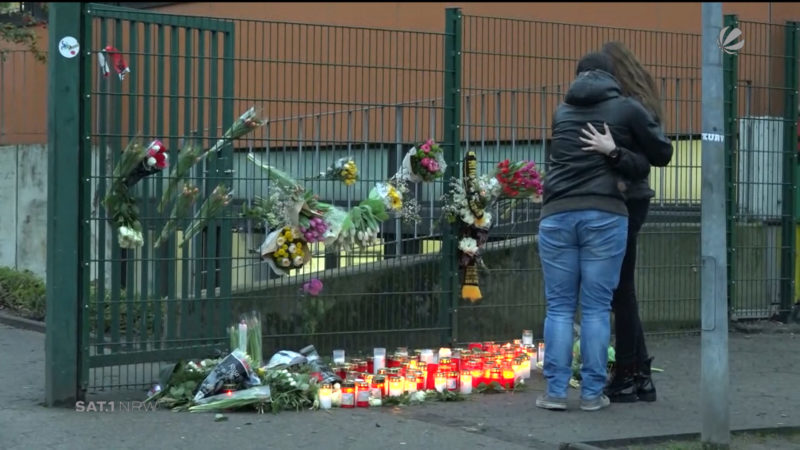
(440, 381)
(421, 379)
(325, 392)
(444, 352)
(348, 395)
(395, 386)
(402, 351)
(377, 386)
(338, 356)
(452, 380)
(379, 359)
(496, 374)
(541, 352)
(426, 356)
(508, 378)
(362, 395)
(466, 382)
(525, 368)
(444, 364)
(411, 384)
(243, 336)
(433, 368)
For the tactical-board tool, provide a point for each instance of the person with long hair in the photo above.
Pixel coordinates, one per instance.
(583, 227)
(631, 377)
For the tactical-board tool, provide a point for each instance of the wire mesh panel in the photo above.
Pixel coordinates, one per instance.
(515, 73)
(331, 92)
(153, 77)
(763, 171)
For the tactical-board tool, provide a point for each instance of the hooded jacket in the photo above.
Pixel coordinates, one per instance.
(577, 179)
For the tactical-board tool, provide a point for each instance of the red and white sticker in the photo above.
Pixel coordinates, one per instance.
(68, 47)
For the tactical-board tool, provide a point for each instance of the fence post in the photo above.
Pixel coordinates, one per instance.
(789, 170)
(450, 295)
(730, 76)
(63, 353)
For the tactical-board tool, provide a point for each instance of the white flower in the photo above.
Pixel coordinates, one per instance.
(298, 261)
(130, 238)
(375, 401)
(292, 248)
(468, 245)
(467, 217)
(280, 241)
(285, 262)
(151, 161)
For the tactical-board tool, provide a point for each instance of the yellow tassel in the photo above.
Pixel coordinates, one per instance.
(471, 293)
(470, 290)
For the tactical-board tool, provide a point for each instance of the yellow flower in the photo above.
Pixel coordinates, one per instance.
(396, 203)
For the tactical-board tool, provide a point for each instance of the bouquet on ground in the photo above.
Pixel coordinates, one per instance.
(284, 250)
(425, 163)
(135, 163)
(519, 180)
(343, 169)
(210, 209)
(181, 209)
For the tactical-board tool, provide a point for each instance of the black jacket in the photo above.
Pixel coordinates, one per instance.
(577, 179)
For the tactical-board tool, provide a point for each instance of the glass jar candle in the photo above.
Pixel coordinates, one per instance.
(362, 394)
(452, 380)
(508, 378)
(325, 395)
(466, 382)
(411, 384)
(396, 385)
(440, 381)
(496, 374)
(377, 387)
(348, 395)
(370, 364)
(444, 364)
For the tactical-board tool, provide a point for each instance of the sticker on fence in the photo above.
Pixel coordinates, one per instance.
(713, 137)
(68, 47)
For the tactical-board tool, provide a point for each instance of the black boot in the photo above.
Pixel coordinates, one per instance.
(622, 386)
(645, 389)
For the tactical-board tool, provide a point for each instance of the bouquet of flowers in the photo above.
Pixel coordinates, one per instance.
(191, 153)
(343, 169)
(245, 124)
(468, 202)
(519, 180)
(220, 198)
(181, 209)
(425, 163)
(285, 249)
(135, 163)
(360, 225)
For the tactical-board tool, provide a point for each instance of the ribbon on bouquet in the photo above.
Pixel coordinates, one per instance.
(112, 55)
(470, 285)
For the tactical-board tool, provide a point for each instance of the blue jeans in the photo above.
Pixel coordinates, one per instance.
(581, 254)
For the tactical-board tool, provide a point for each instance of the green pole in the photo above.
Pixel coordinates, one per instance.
(789, 171)
(62, 343)
(450, 295)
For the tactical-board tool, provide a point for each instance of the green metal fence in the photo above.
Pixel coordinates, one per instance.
(515, 72)
(762, 111)
(487, 84)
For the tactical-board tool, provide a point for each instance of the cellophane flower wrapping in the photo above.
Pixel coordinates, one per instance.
(519, 180)
(423, 163)
(136, 162)
(248, 122)
(285, 250)
(180, 209)
(234, 369)
(211, 208)
(343, 169)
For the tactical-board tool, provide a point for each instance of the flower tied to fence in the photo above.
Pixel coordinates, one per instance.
(136, 162)
(474, 235)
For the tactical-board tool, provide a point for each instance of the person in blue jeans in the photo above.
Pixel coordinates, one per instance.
(584, 221)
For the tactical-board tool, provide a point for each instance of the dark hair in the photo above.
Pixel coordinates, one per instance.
(634, 80)
(595, 61)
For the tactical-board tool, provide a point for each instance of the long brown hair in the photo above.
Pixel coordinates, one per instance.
(633, 78)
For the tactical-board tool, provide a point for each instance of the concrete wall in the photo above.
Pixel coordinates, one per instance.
(23, 205)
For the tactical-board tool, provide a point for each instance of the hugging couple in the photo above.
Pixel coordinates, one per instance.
(605, 137)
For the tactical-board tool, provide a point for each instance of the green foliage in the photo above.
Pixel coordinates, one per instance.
(22, 292)
(19, 29)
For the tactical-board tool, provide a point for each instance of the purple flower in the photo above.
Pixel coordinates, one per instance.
(312, 287)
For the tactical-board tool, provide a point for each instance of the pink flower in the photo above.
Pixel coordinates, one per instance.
(426, 162)
(426, 148)
(312, 287)
(433, 166)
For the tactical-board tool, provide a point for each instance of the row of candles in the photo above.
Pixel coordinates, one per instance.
(456, 370)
